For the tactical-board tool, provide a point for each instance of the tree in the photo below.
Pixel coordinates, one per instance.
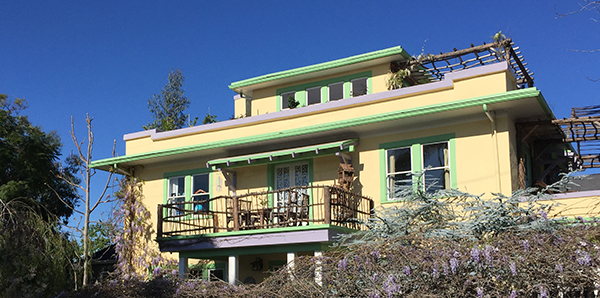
(80, 162)
(588, 5)
(37, 259)
(30, 159)
(168, 106)
(209, 119)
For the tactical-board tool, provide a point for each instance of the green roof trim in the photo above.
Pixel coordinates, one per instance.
(346, 145)
(321, 66)
(420, 111)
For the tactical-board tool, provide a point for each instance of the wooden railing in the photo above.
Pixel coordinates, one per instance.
(295, 206)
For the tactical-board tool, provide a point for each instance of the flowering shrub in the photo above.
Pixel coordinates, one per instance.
(137, 256)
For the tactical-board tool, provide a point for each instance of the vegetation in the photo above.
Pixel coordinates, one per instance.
(138, 257)
(30, 160)
(168, 106)
(433, 246)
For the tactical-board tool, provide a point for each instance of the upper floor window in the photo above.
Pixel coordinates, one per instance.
(359, 87)
(325, 90)
(188, 191)
(313, 95)
(285, 99)
(336, 91)
(200, 194)
(176, 193)
(435, 162)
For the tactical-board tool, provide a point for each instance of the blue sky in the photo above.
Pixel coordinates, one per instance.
(107, 58)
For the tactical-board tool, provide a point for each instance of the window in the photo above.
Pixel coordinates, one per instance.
(285, 99)
(290, 175)
(401, 160)
(189, 190)
(200, 194)
(336, 91)
(359, 87)
(399, 171)
(330, 89)
(435, 162)
(176, 192)
(313, 95)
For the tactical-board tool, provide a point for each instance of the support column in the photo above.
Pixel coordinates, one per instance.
(233, 269)
(319, 267)
(183, 267)
(290, 260)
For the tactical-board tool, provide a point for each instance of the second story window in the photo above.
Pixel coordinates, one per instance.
(176, 192)
(285, 99)
(313, 95)
(359, 87)
(336, 91)
(200, 194)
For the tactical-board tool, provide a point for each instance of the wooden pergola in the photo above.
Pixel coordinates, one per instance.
(583, 129)
(428, 68)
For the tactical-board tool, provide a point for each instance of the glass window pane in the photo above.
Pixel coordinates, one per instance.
(359, 87)
(314, 95)
(176, 187)
(200, 184)
(398, 183)
(435, 155)
(399, 160)
(336, 91)
(285, 97)
(435, 180)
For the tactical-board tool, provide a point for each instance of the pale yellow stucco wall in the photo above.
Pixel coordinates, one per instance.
(463, 89)
(584, 206)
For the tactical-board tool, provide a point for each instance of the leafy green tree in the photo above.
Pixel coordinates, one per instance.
(30, 161)
(209, 119)
(168, 106)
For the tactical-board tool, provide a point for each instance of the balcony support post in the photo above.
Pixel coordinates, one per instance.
(233, 263)
(236, 214)
(159, 226)
(183, 267)
(291, 256)
(327, 205)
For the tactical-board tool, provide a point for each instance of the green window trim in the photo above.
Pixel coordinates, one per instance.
(416, 156)
(300, 90)
(187, 174)
(271, 180)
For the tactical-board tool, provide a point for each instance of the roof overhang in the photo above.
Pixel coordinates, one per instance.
(288, 154)
(319, 70)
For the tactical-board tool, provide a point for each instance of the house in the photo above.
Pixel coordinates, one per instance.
(252, 193)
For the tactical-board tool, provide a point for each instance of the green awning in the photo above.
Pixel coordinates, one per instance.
(287, 154)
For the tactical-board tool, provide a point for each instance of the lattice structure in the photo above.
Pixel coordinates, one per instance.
(428, 68)
(583, 128)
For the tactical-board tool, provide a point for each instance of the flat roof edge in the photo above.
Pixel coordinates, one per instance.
(321, 66)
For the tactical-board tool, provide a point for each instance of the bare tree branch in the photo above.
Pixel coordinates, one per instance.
(590, 5)
(61, 199)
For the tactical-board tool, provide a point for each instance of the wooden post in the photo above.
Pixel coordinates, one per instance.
(159, 215)
(327, 205)
(371, 207)
(236, 214)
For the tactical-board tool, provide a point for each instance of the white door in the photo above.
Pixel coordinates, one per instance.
(290, 175)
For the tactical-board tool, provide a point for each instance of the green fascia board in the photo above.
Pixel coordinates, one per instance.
(395, 115)
(341, 145)
(397, 50)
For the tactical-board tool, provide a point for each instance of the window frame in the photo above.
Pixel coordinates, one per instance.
(188, 185)
(341, 83)
(417, 160)
(300, 91)
(366, 86)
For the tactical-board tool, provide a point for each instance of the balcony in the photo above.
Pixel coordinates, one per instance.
(291, 207)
